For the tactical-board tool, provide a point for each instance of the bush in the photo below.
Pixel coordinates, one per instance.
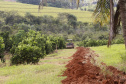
(6, 28)
(2, 47)
(18, 37)
(118, 41)
(91, 42)
(26, 54)
(22, 50)
(48, 47)
(7, 41)
(61, 43)
(24, 27)
(12, 17)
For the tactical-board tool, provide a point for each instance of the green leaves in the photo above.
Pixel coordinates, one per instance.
(91, 42)
(102, 12)
(35, 46)
(25, 54)
(2, 47)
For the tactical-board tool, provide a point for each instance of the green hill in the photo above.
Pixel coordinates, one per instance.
(84, 16)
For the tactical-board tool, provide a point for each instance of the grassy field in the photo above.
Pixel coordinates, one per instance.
(21, 8)
(115, 55)
(46, 72)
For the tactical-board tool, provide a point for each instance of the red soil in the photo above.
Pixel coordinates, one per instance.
(81, 70)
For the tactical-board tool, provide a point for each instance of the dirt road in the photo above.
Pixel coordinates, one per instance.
(83, 69)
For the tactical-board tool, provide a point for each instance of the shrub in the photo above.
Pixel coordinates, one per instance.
(18, 37)
(12, 17)
(7, 40)
(58, 41)
(24, 27)
(61, 43)
(48, 47)
(34, 46)
(26, 54)
(5, 28)
(2, 47)
(118, 41)
(91, 42)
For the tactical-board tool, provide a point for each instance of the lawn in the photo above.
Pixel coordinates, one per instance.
(47, 71)
(114, 56)
(84, 16)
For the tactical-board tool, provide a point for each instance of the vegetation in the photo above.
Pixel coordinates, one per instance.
(47, 71)
(35, 2)
(29, 47)
(26, 54)
(65, 24)
(23, 35)
(91, 42)
(57, 3)
(22, 9)
(28, 36)
(113, 56)
(2, 47)
(115, 17)
(30, 32)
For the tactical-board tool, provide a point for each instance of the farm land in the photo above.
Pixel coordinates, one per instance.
(84, 16)
(50, 69)
(64, 66)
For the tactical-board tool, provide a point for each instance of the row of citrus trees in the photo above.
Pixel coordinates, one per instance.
(29, 47)
(91, 42)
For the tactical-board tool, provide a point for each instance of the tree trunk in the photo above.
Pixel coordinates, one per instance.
(117, 20)
(111, 34)
(122, 4)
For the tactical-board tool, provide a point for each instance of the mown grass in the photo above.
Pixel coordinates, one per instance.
(45, 72)
(20, 8)
(113, 56)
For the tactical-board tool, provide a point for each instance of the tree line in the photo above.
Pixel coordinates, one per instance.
(57, 3)
(28, 34)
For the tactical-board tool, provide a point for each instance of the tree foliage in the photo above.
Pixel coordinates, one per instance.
(2, 47)
(26, 54)
(33, 46)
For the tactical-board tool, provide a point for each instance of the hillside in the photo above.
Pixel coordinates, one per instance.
(84, 16)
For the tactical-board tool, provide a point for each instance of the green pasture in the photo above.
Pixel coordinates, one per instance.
(47, 71)
(113, 56)
(20, 8)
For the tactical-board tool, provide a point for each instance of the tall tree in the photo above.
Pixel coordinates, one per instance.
(122, 5)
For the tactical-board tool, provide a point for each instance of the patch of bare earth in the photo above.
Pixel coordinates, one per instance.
(54, 58)
(3, 79)
(82, 69)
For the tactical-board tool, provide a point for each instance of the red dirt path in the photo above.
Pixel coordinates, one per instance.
(80, 70)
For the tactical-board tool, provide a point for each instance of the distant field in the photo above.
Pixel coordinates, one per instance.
(84, 16)
(114, 56)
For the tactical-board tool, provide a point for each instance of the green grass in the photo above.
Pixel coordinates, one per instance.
(84, 16)
(47, 71)
(113, 56)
